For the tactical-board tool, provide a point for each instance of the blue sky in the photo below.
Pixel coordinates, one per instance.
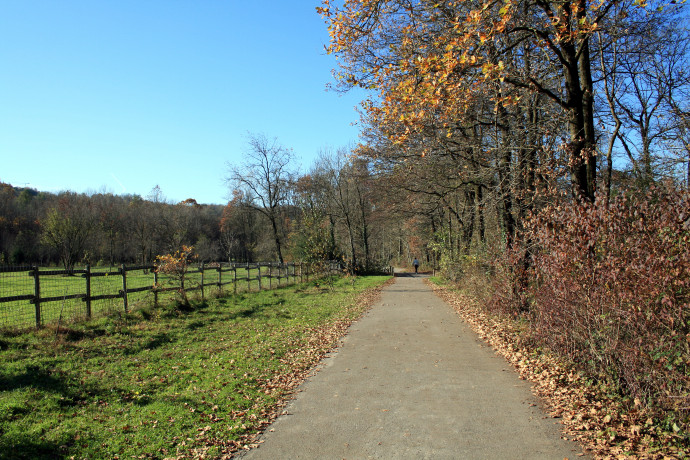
(121, 96)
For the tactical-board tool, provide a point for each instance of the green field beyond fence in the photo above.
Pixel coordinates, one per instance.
(33, 296)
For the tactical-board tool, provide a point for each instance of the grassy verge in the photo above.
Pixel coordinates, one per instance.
(165, 383)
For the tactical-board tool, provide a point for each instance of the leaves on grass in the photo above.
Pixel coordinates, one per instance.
(299, 362)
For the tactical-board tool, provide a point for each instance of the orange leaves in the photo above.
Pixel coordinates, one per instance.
(176, 263)
(590, 414)
(470, 59)
(176, 266)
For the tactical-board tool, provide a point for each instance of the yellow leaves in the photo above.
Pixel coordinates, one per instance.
(468, 59)
(506, 8)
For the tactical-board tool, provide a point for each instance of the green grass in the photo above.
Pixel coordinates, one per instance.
(168, 385)
(22, 313)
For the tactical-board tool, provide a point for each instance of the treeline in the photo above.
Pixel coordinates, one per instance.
(101, 228)
(335, 211)
(543, 145)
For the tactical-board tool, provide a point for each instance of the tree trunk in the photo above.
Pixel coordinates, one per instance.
(587, 89)
(332, 249)
(580, 108)
(504, 178)
(351, 234)
(365, 228)
(276, 235)
(468, 224)
(478, 199)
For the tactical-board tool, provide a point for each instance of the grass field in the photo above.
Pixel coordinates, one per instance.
(164, 383)
(22, 314)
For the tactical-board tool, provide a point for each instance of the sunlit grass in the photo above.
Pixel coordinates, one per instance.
(158, 382)
(22, 313)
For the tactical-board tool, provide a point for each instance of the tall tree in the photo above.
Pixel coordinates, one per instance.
(434, 60)
(652, 73)
(238, 229)
(67, 227)
(265, 179)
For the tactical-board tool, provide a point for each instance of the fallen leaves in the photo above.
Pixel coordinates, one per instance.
(299, 363)
(593, 419)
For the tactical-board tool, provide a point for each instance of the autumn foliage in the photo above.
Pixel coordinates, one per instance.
(610, 289)
(176, 266)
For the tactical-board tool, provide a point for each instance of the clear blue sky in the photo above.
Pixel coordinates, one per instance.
(121, 96)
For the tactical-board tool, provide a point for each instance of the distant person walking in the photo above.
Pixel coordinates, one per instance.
(416, 265)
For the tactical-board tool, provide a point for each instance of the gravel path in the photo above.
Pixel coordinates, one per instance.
(412, 381)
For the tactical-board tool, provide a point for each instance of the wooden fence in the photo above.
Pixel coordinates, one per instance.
(36, 293)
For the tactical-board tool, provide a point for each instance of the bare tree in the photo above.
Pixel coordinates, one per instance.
(644, 74)
(67, 227)
(265, 178)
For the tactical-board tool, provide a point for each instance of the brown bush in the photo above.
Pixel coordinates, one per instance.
(610, 289)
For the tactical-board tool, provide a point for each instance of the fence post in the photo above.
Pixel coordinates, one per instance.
(220, 275)
(259, 275)
(155, 288)
(270, 276)
(37, 295)
(123, 271)
(301, 274)
(201, 269)
(249, 281)
(234, 280)
(87, 275)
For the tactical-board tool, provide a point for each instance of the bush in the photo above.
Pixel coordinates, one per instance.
(610, 290)
(176, 266)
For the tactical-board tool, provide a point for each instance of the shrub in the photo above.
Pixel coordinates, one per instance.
(611, 290)
(175, 266)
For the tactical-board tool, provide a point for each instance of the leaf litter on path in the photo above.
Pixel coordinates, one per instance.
(588, 416)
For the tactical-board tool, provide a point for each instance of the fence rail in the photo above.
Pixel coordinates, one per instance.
(31, 296)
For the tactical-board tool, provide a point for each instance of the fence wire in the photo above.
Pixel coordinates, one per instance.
(60, 288)
(29, 298)
(16, 282)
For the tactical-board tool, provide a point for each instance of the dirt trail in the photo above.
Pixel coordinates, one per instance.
(412, 381)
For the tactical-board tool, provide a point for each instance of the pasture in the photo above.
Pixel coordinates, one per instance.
(158, 383)
(67, 293)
